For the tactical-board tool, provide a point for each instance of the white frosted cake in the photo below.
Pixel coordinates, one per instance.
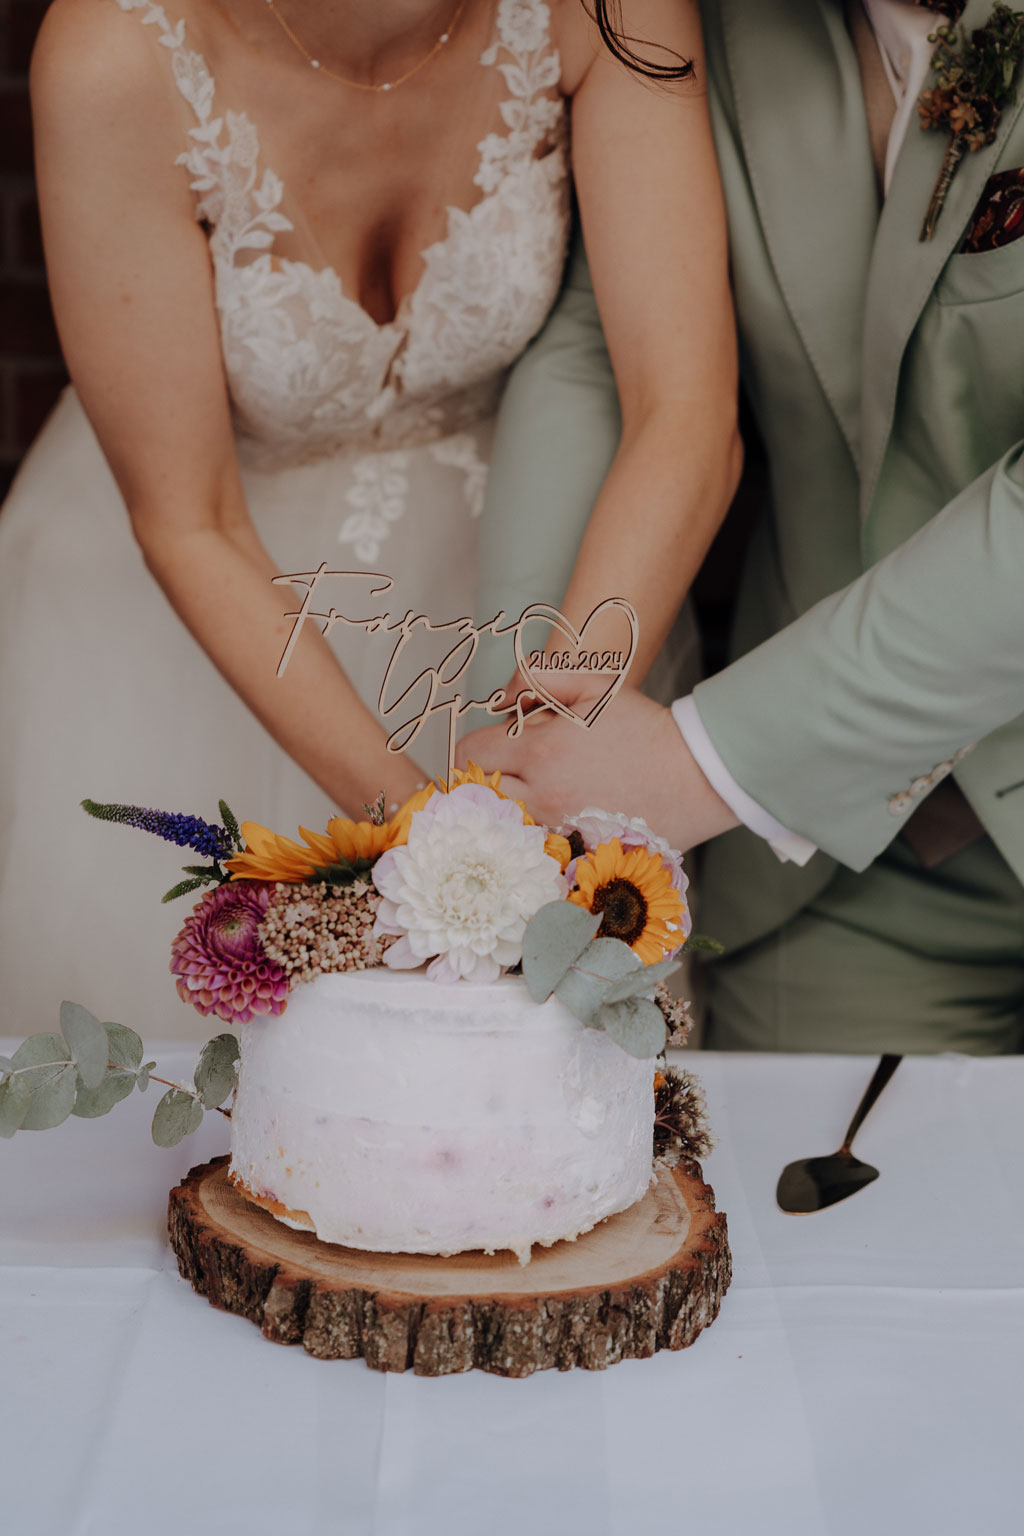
(390, 1112)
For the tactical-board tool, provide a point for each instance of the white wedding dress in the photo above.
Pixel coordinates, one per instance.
(364, 445)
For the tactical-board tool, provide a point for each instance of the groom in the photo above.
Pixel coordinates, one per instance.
(867, 746)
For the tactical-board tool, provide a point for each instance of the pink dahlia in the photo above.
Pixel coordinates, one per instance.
(218, 958)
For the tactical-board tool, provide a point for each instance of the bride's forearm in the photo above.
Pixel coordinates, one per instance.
(663, 500)
(219, 581)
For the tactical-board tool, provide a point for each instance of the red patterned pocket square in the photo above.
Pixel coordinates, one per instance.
(998, 218)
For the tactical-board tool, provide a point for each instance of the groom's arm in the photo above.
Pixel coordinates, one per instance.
(838, 724)
(834, 727)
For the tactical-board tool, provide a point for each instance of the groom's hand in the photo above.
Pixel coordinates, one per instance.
(632, 759)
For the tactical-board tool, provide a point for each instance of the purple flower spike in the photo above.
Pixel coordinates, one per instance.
(212, 842)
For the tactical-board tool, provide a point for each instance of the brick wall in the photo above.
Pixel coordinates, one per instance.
(31, 370)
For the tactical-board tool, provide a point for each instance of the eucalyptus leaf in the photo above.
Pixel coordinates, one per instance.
(15, 1097)
(125, 1052)
(124, 1046)
(635, 1024)
(5, 1065)
(177, 1115)
(90, 1103)
(142, 1075)
(583, 987)
(554, 939)
(217, 1070)
(88, 1041)
(38, 1050)
(53, 1090)
(703, 941)
(640, 983)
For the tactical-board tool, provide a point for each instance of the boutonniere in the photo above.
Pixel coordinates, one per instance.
(975, 80)
(953, 9)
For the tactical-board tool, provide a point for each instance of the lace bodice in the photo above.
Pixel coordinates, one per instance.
(310, 372)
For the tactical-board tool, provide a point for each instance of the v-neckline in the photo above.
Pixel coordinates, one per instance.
(401, 320)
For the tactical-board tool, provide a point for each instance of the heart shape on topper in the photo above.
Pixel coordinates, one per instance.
(558, 621)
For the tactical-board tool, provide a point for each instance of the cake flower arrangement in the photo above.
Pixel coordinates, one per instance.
(460, 880)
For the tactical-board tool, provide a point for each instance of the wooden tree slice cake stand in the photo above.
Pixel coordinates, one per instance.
(650, 1278)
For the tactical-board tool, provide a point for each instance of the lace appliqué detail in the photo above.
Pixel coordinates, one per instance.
(378, 499)
(311, 374)
(379, 493)
(531, 115)
(460, 452)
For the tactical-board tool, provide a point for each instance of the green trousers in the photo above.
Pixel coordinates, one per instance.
(899, 958)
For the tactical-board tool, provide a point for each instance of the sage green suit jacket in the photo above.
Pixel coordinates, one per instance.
(881, 618)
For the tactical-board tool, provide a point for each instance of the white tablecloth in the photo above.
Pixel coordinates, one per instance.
(864, 1374)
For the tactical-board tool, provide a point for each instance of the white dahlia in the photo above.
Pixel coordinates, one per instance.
(461, 891)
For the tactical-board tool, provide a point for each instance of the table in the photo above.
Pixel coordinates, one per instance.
(864, 1374)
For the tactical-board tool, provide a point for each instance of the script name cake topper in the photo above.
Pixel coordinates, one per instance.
(429, 693)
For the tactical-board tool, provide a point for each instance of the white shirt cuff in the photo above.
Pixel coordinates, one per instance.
(788, 846)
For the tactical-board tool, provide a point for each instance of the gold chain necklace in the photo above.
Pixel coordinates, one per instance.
(359, 85)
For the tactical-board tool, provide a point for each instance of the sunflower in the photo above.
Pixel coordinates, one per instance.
(474, 774)
(360, 839)
(556, 847)
(269, 856)
(634, 893)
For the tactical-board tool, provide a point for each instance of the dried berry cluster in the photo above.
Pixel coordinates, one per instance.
(310, 930)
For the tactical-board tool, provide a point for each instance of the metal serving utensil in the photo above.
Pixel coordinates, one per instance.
(812, 1183)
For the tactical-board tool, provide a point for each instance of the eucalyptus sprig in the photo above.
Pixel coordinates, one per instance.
(600, 980)
(975, 79)
(89, 1067)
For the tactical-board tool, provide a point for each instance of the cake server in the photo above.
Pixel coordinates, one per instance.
(812, 1183)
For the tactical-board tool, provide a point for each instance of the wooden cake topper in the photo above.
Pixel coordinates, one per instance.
(435, 689)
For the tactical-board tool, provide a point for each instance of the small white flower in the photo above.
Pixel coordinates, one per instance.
(462, 890)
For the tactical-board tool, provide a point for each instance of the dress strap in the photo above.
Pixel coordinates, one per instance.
(532, 68)
(191, 75)
(241, 207)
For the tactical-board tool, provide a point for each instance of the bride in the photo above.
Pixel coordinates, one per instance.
(293, 247)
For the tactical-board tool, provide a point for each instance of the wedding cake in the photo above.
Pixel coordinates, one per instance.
(401, 1091)
(390, 1112)
(443, 1028)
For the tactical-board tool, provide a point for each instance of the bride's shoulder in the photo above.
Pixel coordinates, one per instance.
(94, 63)
(106, 45)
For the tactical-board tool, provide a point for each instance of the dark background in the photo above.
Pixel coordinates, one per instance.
(31, 371)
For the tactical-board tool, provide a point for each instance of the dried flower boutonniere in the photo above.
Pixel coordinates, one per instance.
(953, 9)
(974, 82)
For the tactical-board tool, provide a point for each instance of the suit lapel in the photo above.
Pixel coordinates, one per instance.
(904, 269)
(801, 117)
